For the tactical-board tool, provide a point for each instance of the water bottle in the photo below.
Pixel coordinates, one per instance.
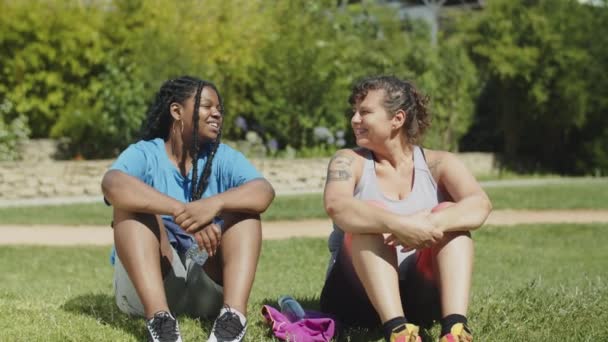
(199, 256)
(291, 308)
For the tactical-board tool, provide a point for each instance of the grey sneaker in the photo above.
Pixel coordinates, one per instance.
(163, 327)
(229, 326)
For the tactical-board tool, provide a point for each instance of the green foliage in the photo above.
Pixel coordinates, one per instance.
(289, 96)
(451, 80)
(51, 50)
(65, 73)
(86, 74)
(540, 75)
(13, 133)
(311, 56)
(104, 118)
(594, 134)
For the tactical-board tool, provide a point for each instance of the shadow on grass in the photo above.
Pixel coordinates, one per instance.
(343, 333)
(103, 309)
(206, 324)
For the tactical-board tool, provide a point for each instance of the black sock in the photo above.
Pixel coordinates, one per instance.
(448, 322)
(391, 324)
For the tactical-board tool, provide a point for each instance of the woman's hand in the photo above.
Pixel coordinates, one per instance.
(198, 215)
(415, 231)
(209, 238)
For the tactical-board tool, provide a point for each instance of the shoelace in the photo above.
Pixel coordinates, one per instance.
(163, 327)
(228, 325)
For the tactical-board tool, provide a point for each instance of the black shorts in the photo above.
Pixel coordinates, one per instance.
(344, 297)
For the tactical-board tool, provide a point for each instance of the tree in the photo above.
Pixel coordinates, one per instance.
(451, 81)
(532, 55)
(50, 50)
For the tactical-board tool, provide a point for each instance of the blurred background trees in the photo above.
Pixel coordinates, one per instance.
(520, 78)
(543, 99)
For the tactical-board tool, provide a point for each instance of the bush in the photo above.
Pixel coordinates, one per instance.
(543, 100)
(104, 118)
(310, 61)
(451, 82)
(83, 71)
(13, 133)
(51, 50)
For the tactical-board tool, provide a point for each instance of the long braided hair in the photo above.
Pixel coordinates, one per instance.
(159, 120)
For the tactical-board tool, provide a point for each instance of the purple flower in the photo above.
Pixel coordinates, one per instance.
(340, 142)
(340, 134)
(321, 133)
(241, 123)
(272, 145)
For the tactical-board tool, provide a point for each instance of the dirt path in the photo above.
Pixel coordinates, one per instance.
(54, 235)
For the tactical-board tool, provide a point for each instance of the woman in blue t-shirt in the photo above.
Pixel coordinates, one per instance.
(176, 187)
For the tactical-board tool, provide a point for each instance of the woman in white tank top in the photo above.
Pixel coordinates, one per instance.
(395, 261)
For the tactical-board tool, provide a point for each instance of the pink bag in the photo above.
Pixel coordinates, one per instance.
(316, 327)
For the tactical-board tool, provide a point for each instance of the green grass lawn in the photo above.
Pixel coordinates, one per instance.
(531, 283)
(591, 194)
(575, 195)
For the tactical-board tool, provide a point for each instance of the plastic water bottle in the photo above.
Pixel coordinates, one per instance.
(291, 308)
(200, 256)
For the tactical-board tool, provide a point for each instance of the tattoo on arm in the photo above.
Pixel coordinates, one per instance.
(339, 168)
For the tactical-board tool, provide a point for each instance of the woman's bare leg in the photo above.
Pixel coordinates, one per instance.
(376, 266)
(144, 250)
(454, 267)
(240, 251)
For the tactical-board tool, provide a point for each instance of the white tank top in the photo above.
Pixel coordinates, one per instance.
(424, 195)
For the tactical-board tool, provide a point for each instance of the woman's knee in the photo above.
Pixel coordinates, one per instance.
(252, 221)
(122, 218)
(141, 229)
(242, 229)
(360, 246)
(366, 240)
(459, 236)
(458, 240)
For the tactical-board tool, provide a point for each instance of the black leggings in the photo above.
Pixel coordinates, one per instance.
(344, 297)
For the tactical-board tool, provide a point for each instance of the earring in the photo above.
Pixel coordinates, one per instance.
(182, 123)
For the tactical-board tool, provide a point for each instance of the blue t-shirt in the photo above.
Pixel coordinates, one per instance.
(148, 161)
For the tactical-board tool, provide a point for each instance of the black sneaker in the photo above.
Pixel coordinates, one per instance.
(163, 328)
(229, 326)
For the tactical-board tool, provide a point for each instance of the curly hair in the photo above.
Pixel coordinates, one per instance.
(399, 95)
(159, 120)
